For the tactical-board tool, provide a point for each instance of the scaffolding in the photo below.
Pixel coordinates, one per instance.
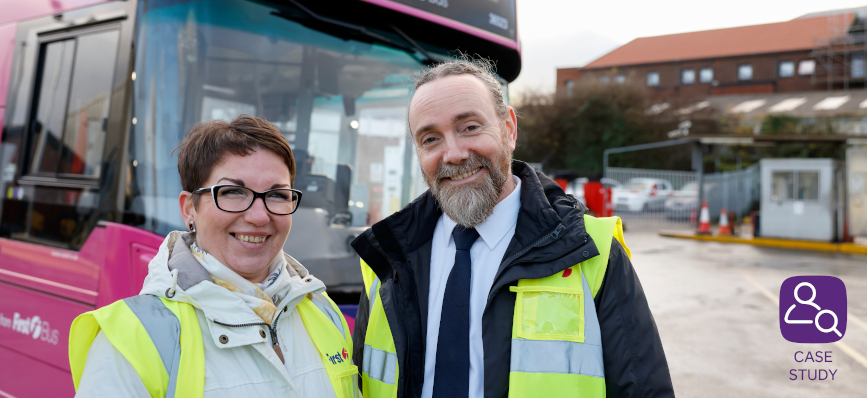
(840, 55)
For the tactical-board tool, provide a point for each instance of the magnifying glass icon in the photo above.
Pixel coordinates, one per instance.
(832, 328)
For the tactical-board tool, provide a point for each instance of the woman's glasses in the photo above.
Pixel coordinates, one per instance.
(237, 199)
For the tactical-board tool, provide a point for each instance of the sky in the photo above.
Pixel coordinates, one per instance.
(564, 33)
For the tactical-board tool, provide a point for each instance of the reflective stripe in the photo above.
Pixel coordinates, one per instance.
(371, 297)
(329, 312)
(379, 364)
(556, 356)
(164, 329)
(592, 333)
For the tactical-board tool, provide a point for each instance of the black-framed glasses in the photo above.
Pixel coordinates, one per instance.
(237, 199)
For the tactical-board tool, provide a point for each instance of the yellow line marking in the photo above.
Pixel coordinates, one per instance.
(852, 353)
(762, 289)
(857, 321)
(849, 248)
(857, 356)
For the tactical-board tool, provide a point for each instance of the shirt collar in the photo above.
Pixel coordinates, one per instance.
(505, 215)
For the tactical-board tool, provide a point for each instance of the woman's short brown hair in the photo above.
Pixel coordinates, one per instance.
(206, 143)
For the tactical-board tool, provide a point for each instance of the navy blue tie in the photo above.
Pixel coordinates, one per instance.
(452, 370)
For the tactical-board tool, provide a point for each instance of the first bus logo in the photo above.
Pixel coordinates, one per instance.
(33, 326)
(339, 357)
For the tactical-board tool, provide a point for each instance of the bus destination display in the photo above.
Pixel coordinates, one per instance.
(495, 16)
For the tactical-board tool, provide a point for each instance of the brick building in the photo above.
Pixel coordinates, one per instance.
(821, 51)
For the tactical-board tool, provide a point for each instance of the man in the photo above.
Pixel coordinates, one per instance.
(494, 283)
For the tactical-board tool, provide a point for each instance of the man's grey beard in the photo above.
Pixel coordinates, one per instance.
(470, 205)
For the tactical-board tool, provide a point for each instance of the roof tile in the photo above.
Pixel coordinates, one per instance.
(798, 34)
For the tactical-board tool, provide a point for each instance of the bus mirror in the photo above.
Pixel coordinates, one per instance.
(328, 70)
(343, 181)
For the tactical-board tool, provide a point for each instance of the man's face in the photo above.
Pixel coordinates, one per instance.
(463, 146)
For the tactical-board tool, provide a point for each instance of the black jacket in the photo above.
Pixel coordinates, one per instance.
(550, 237)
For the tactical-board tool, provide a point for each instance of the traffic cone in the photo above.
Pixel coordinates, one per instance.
(704, 220)
(724, 223)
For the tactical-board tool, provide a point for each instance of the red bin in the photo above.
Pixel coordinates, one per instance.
(598, 199)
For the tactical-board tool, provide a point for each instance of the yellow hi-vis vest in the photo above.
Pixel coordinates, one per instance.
(556, 340)
(162, 340)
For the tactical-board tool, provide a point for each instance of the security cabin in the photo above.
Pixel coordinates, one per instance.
(800, 199)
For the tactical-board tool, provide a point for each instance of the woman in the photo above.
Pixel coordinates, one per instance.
(223, 312)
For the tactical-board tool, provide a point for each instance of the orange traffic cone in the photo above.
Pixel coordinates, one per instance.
(724, 223)
(704, 220)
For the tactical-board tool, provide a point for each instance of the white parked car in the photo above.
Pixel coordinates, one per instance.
(683, 202)
(642, 194)
(576, 187)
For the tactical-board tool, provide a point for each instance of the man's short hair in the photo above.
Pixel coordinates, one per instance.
(206, 143)
(479, 67)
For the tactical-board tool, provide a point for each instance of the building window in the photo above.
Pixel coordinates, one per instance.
(604, 79)
(806, 67)
(782, 186)
(687, 76)
(745, 72)
(808, 186)
(795, 185)
(569, 86)
(787, 69)
(858, 65)
(653, 79)
(705, 75)
(620, 79)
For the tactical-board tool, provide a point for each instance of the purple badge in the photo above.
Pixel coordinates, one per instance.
(813, 309)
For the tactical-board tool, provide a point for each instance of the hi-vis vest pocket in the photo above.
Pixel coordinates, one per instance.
(549, 313)
(345, 383)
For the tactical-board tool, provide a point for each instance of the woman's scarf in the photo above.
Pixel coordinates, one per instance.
(262, 297)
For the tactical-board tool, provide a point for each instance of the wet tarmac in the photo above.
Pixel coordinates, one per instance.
(714, 306)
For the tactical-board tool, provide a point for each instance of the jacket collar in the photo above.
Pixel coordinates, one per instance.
(195, 287)
(545, 208)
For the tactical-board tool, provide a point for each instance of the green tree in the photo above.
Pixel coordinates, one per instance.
(572, 133)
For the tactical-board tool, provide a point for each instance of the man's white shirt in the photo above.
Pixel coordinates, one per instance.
(487, 253)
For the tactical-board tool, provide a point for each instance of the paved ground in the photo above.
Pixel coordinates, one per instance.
(719, 328)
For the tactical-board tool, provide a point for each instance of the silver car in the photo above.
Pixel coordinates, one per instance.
(642, 194)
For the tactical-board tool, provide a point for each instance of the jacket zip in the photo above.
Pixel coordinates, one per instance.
(553, 234)
(271, 330)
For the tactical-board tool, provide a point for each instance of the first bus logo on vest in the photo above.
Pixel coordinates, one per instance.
(338, 358)
(813, 309)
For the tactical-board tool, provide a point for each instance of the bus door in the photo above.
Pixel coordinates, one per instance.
(61, 153)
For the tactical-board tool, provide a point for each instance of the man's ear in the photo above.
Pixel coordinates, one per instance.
(188, 208)
(511, 129)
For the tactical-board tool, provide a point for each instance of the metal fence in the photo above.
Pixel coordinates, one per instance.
(665, 196)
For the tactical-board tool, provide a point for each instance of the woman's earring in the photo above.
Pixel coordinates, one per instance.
(192, 227)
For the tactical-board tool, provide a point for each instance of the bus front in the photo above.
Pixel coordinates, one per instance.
(336, 80)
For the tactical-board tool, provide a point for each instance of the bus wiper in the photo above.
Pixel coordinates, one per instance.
(412, 50)
(429, 61)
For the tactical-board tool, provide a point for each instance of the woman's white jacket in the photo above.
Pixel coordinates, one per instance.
(247, 365)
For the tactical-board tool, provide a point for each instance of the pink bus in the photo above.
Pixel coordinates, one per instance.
(95, 95)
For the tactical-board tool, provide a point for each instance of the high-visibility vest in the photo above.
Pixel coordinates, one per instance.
(556, 339)
(162, 340)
